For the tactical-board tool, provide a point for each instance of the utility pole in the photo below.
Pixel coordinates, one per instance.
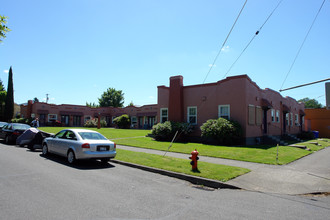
(47, 98)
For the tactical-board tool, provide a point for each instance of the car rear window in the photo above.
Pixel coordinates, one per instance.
(91, 136)
(20, 126)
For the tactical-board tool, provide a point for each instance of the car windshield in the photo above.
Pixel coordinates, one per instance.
(91, 136)
(20, 126)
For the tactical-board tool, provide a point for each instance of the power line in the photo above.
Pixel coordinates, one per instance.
(310, 28)
(252, 38)
(307, 84)
(216, 57)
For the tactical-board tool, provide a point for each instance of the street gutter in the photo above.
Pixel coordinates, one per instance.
(192, 179)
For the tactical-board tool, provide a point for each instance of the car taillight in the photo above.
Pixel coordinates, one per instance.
(86, 146)
(114, 145)
(16, 133)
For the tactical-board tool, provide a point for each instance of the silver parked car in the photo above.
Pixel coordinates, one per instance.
(76, 144)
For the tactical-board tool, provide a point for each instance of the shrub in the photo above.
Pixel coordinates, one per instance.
(166, 131)
(306, 135)
(221, 130)
(92, 123)
(122, 121)
(22, 120)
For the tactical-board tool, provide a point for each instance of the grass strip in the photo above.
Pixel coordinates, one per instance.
(207, 170)
(259, 154)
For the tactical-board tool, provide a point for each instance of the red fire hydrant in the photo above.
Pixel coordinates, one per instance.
(194, 157)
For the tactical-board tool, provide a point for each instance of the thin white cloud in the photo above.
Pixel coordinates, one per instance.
(212, 65)
(225, 49)
(6, 71)
(151, 97)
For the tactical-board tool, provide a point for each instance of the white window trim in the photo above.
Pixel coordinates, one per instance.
(188, 115)
(277, 116)
(272, 115)
(296, 121)
(161, 115)
(291, 119)
(52, 118)
(219, 112)
(135, 121)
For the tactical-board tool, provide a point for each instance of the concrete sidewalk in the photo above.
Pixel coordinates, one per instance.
(307, 175)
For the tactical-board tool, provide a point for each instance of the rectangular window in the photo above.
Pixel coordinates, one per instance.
(163, 115)
(192, 115)
(291, 119)
(277, 116)
(252, 115)
(133, 120)
(52, 117)
(224, 111)
(259, 115)
(296, 121)
(272, 112)
(113, 118)
(303, 120)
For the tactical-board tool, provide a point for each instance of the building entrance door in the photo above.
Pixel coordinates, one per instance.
(265, 122)
(65, 119)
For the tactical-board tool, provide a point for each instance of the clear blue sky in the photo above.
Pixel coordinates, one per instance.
(75, 49)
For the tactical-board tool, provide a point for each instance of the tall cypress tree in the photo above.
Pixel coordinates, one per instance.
(9, 104)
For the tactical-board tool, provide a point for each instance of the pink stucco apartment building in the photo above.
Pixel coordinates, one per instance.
(261, 112)
(77, 115)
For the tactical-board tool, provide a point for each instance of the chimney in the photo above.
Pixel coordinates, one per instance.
(29, 108)
(175, 108)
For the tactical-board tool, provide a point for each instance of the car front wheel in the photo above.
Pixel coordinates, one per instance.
(71, 157)
(7, 139)
(44, 149)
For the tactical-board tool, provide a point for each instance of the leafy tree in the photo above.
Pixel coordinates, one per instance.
(112, 97)
(9, 102)
(3, 28)
(92, 105)
(131, 103)
(3, 94)
(311, 103)
(35, 100)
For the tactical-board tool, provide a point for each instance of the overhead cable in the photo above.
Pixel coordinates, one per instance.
(252, 38)
(216, 57)
(310, 28)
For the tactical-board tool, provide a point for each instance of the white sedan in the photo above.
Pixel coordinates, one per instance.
(77, 144)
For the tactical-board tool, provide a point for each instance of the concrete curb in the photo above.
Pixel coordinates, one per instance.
(192, 179)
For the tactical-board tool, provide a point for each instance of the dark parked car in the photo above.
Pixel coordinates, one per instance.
(11, 131)
(2, 124)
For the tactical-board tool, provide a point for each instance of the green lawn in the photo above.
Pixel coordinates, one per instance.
(207, 170)
(258, 154)
(110, 133)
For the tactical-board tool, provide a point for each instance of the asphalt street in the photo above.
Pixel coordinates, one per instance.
(37, 187)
